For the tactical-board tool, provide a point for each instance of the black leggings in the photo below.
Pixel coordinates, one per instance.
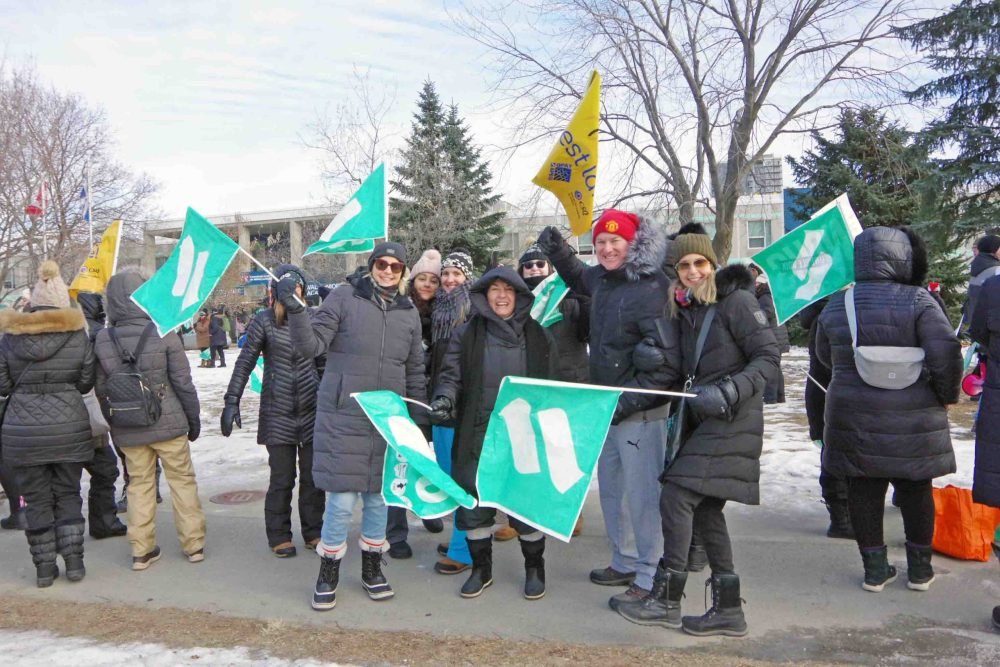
(866, 501)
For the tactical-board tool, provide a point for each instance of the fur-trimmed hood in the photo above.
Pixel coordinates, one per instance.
(647, 251)
(49, 320)
(732, 278)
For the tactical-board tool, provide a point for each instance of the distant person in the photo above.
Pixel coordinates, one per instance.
(203, 334)
(220, 339)
(985, 264)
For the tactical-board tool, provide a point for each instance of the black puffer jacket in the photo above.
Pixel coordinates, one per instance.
(985, 330)
(163, 361)
(571, 334)
(288, 395)
(367, 347)
(46, 420)
(815, 397)
(623, 308)
(984, 267)
(721, 458)
(884, 433)
(766, 302)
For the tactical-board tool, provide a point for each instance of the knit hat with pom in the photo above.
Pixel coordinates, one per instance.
(429, 262)
(50, 290)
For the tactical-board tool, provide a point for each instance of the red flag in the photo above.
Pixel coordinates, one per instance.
(38, 206)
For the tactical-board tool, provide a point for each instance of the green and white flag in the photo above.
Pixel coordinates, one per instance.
(179, 288)
(541, 449)
(813, 260)
(548, 295)
(364, 218)
(412, 477)
(257, 376)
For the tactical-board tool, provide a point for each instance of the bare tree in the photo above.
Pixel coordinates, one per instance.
(695, 91)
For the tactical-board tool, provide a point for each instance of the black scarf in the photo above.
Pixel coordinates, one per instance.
(450, 310)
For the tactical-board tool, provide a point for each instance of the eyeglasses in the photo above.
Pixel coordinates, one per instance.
(536, 264)
(700, 264)
(383, 265)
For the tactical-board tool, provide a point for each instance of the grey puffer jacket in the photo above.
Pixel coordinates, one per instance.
(162, 361)
(369, 346)
(885, 433)
(46, 419)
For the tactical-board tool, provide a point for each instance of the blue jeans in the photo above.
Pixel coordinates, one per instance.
(444, 439)
(337, 517)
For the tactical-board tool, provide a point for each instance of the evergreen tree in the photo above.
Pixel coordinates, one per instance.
(443, 187)
(963, 45)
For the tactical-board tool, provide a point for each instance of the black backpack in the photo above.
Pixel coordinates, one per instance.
(130, 397)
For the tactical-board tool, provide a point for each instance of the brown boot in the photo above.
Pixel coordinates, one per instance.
(505, 533)
(446, 565)
(578, 528)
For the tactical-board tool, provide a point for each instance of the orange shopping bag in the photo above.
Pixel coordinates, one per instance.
(963, 529)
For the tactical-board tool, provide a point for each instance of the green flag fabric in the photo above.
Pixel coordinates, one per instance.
(179, 288)
(548, 295)
(412, 477)
(813, 260)
(541, 449)
(363, 218)
(257, 377)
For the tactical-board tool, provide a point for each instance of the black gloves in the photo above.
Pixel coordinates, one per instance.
(440, 411)
(648, 356)
(550, 240)
(714, 400)
(194, 430)
(231, 414)
(284, 292)
(620, 413)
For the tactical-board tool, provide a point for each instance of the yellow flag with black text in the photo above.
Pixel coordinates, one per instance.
(100, 266)
(570, 171)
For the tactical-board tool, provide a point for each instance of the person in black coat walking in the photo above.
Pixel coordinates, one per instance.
(875, 436)
(219, 339)
(285, 424)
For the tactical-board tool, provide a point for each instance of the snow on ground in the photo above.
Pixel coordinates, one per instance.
(37, 648)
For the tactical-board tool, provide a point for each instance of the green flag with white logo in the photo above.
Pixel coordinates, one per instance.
(411, 477)
(364, 218)
(813, 260)
(548, 295)
(257, 377)
(541, 450)
(179, 288)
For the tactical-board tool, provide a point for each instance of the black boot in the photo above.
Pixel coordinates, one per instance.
(919, 573)
(725, 616)
(534, 569)
(840, 521)
(878, 572)
(42, 544)
(372, 578)
(325, 593)
(482, 567)
(69, 544)
(16, 521)
(106, 526)
(663, 604)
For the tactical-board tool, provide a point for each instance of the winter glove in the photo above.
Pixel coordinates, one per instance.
(284, 292)
(714, 400)
(231, 414)
(550, 240)
(620, 413)
(194, 430)
(648, 356)
(440, 411)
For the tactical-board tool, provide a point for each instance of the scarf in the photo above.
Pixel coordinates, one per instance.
(385, 295)
(450, 310)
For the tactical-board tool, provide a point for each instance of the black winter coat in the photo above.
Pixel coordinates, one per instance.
(368, 346)
(885, 433)
(46, 419)
(815, 397)
(571, 334)
(288, 394)
(218, 332)
(766, 302)
(721, 458)
(163, 361)
(985, 330)
(984, 267)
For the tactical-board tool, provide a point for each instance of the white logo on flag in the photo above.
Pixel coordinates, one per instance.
(190, 272)
(564, 470)
(346, 214)
(808, 265)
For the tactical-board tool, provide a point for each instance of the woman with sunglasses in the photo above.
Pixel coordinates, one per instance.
(719, 456)
(370, 333)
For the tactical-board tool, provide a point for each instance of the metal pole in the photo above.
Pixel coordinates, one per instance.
(90, 210)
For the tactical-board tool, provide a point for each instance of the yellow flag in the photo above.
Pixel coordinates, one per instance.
(100, 266)
(570, 171)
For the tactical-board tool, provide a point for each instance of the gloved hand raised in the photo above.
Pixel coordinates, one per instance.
(440, 411)
(285, 294)
(230, 414)
(716, 400)
(648, 356)
(550, 240)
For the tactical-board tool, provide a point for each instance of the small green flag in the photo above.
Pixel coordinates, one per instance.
(180, 287)
(813, 260)
(548, 295)
(257, 376)
(541, 450)
(411, 477)
(363, 218)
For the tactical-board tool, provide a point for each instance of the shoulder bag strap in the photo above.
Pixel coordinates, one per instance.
(141, 345)
(125, 357)
(20, 377)
(852, 316)
(699, 345)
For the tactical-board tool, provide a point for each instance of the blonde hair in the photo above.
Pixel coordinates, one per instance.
(704, 293)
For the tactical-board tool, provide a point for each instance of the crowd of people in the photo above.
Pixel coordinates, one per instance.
(654, 312)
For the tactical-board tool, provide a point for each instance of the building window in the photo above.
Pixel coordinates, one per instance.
(758, 234)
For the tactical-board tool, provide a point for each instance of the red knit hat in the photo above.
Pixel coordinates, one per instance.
(617, 222)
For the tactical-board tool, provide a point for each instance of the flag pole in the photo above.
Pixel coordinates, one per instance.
(90, 210)
(579, 385)
(266, 270)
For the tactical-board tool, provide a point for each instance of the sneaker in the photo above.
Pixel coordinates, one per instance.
(608, 576)
(196, 556)
(143, 562)
(372, 579)
(632, 594)
(283, 550)
(448, 566)
(400, 551)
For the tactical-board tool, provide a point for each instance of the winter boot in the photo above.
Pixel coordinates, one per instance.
(325, 593)
(482, 567)
(106, 526)
(663, 604)
(372, 578)
(697, 557)
(69, 544)
(16, 521)
(42, 544)
(725, 616)
(534, 569)
(878, 572)
(996, 618)
(919, 573)
(840, 520)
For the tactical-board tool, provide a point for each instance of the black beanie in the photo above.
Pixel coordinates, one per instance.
(387, 248)
(534, 251)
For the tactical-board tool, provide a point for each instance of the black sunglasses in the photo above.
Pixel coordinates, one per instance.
(534, 264)
(382, 265)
